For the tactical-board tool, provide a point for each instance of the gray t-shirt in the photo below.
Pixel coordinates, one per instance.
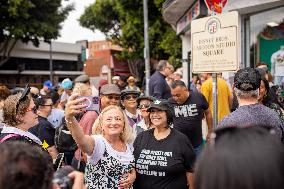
(254, 115)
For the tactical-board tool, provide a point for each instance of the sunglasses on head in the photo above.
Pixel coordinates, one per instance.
(144, 106)
(133, 96)
(115, 97)
(23, 97)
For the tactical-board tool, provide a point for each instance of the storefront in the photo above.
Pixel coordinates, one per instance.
(262, 31)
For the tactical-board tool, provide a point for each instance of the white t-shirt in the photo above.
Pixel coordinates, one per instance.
(101, 144)
(55, 117)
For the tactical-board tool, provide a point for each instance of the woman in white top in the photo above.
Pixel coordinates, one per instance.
(110, 152)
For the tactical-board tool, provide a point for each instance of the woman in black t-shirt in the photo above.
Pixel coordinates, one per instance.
(163, 156)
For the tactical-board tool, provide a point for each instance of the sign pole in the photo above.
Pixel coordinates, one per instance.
(215, 100)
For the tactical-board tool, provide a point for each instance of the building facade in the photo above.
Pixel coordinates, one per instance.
(30, 64)
(261, 23)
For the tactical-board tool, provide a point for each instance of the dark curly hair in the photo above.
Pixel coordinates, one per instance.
(24, 166)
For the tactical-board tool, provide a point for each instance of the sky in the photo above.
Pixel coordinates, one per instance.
(71, 30)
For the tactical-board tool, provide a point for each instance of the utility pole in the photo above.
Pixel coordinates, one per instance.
(146, 46)
(50, 62)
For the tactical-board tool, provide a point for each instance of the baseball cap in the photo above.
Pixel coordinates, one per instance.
(115, 77)
(159, 104)
(66, 84)
(82, 79)
(110, 89)
(129, 91)
(247, 79)
(48, 84)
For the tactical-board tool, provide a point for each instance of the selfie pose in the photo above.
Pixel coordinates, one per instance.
(110, 159)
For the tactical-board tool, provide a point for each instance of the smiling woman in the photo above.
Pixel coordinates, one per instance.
(109, 150)
(163, 156)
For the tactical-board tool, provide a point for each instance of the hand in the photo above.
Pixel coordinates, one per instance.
(127, 179)
(78, 179)
(208, 136)
(74, 106)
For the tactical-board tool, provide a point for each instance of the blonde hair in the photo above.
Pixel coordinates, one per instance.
(81, 89)
(127, 135)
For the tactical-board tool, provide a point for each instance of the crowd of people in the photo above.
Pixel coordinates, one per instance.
(129, 140)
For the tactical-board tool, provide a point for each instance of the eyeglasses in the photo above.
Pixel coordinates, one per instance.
(153, 110)
(115, 97)
(23, 97)
(144, 106)
(31, 109)
(47, 105)
(133, 96)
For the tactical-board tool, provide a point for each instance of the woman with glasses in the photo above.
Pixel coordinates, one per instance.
(163, 156)
(144, 103)
(44, 130)
(109, 150)
(129, 103)
(19, 116)
(246, 158)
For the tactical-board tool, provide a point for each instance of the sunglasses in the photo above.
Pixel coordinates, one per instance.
(31, 110)
(47, 105)
(133, 96)
(23, 97)
(144, 106)
(115, 97)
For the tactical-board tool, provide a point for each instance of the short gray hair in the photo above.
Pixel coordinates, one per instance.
(161, 65)
(246, 95)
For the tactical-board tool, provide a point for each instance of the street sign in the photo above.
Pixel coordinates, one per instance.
(215, 43)
(216, 5)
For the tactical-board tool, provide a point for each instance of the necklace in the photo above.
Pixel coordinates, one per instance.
(120, 147)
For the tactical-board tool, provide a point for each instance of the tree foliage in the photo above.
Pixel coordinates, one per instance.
(29, 20)
(122, 22)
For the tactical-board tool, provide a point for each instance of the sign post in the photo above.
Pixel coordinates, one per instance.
(215, 48)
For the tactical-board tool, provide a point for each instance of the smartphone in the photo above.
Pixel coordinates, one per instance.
(92, 102)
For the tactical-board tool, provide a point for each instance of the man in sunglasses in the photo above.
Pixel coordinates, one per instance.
(109, 95)
(129, 103)
(19, 116)
(44, 130)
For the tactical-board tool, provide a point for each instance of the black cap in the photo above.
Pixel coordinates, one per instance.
(247, 79)
(150, 98)
(159, 104)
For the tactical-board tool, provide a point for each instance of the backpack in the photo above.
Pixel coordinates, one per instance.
(63, 139)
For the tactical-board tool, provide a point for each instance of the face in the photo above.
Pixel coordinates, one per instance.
(158, 118)
(177, 77)
(130, 101)
(30, 118)
(113, 122)
(110, 99)
(168, 70)
(262, 90)
(180, 94)
(45, 109)
(143, 106)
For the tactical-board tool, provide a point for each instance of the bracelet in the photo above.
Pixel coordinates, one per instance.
(69, 122)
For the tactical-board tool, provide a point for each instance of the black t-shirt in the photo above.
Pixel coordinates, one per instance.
(162, 163)
(188, 116)
(44, 131)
